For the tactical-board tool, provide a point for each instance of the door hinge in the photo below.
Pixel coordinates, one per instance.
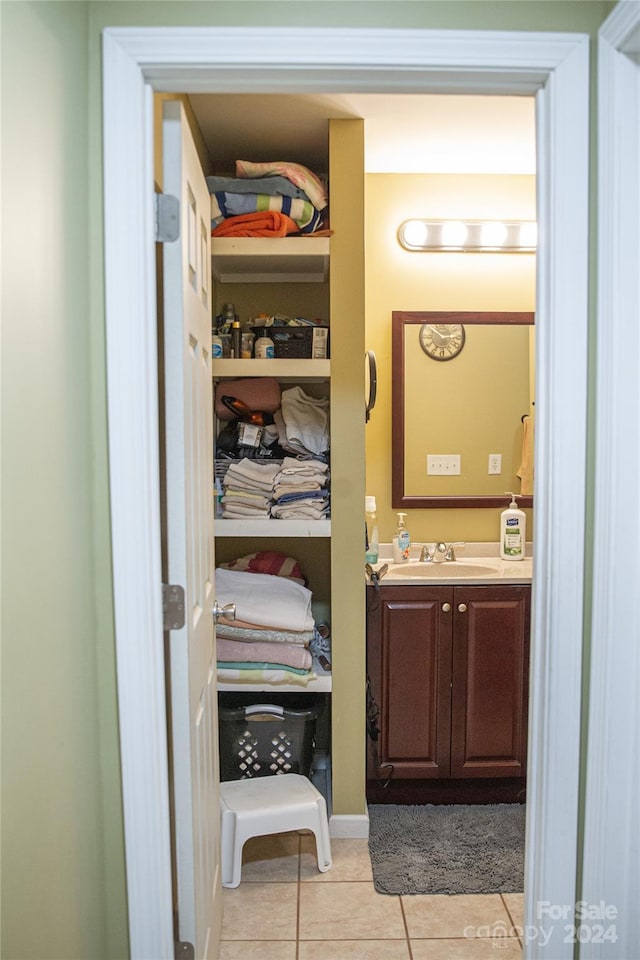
(172, 606)
(167, 218)
(184, 950)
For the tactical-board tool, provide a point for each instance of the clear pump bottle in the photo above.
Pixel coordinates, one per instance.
(401, 541)
(372, 546)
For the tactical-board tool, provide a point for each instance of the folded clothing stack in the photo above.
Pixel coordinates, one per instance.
(301, 490)
(267, 199)
(269, 639)
(248, 489)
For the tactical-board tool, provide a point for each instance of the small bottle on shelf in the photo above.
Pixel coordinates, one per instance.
(236, 339)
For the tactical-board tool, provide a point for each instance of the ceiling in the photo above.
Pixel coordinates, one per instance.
(404, 133)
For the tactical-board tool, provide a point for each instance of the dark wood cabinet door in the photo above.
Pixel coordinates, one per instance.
(491, 627)
(415, 682)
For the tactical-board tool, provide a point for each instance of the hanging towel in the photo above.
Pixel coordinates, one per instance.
(525, 471)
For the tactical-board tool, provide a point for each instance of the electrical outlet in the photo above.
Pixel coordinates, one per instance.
(443, 464)
(495, 463)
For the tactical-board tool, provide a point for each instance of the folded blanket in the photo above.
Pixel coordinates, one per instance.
(244, 666)
(241, 651)
(274, 186)
(243, 630)
(270, 223)
(225, 206)
(295, 172)
(265, 600)
(268, 561)
(250, 632)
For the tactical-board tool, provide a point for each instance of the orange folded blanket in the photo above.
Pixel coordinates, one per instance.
(263, 223)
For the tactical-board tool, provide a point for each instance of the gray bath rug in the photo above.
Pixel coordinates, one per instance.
(447, 848)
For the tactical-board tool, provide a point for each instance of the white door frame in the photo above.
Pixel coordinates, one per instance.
(612, 827)
(555, 68)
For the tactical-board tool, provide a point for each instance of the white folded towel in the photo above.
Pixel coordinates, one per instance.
(306, 419)
(264, 599)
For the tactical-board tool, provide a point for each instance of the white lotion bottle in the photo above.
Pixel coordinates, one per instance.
(401, 541)
(513, 529)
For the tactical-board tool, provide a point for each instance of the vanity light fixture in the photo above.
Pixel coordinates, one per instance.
(472, 236)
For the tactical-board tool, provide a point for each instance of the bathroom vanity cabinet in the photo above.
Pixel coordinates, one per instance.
(448, 669)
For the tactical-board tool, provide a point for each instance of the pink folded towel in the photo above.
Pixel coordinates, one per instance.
(240, 651)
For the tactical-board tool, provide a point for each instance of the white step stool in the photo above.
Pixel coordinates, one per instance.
(265, 805)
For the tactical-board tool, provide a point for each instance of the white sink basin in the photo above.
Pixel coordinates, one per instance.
(473, 569)
(449, 569)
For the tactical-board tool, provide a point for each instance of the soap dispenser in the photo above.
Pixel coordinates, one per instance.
(372, 544)
(401, 541)
(513, 527)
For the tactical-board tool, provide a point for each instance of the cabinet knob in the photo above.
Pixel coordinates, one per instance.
(446, 607)
(462, 608)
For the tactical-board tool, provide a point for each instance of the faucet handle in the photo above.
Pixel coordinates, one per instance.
(425, 556)
(450, 553)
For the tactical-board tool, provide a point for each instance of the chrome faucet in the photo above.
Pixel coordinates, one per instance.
(441, 552)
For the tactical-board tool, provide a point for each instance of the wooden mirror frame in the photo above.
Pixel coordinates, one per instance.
(400, 319)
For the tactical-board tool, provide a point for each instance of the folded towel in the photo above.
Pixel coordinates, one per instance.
(266, 600)
(229, 673)
(298, 511)
(268, 223)
(240, 651)
(292, 467)
(250, 632)
(226, 206)
(306, 419)
(525, 471)
(258, 472)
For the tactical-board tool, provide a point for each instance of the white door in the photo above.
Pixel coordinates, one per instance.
(189, 492)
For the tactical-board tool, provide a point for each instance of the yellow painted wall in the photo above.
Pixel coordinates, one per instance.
(397, 279)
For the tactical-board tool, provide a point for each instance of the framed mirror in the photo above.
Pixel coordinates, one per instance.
(462, 408)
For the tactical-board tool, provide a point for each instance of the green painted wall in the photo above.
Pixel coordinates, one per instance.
(63, 880)
(63, 890)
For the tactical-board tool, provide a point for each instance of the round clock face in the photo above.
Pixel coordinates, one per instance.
(442, 341)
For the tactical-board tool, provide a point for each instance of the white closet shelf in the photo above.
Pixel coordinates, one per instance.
(272, 528)
(282, 369)
(270, 259)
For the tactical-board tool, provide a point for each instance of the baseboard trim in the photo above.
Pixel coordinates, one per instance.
(349, 826)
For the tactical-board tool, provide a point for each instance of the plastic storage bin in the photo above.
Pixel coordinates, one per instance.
(264, 739)
(292, 343)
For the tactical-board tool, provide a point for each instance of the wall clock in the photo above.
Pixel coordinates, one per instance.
(442, 341)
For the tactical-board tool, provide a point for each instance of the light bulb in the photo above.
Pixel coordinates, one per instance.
(528, 234)
(493, 234)
(454, 233)
(415, 233)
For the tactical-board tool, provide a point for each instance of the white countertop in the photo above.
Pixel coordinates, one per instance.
(477, 563)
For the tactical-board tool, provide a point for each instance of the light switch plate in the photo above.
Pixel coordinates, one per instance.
(443, 464)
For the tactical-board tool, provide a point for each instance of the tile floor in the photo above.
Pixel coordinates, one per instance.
(285, 909)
